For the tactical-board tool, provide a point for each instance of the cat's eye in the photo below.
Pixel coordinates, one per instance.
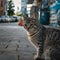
(28, 21)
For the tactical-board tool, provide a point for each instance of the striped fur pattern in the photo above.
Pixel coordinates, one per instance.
(52, 44)
(46, 39)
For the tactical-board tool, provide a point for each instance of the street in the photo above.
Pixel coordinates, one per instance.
(14, 44)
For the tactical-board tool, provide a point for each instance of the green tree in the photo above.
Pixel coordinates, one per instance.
(10, 8)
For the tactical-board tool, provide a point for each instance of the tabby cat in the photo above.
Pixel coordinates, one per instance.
(45, 39)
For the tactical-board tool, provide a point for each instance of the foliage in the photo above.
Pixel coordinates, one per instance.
(10, 8)
(21, 14)
(39, 1)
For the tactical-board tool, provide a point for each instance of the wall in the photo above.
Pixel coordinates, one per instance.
(1, 7)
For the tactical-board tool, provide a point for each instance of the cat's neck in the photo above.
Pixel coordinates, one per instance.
(34, 30)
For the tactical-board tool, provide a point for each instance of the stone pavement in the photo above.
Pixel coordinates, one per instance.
(14, 44)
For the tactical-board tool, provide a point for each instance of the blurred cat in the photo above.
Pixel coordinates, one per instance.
(46, 39)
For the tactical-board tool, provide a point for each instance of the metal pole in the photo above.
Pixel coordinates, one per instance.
(5, 7)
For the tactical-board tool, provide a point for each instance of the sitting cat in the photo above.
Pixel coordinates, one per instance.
(45, 39)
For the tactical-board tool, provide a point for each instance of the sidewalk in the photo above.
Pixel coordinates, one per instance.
(14, 44)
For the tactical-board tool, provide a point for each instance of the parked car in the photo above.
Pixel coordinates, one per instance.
(5, 18)
(0, 19)
(12, 19)
(17, 18)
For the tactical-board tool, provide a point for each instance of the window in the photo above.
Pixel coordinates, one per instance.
(1, 3)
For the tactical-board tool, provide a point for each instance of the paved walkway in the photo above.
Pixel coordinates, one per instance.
(14, 44)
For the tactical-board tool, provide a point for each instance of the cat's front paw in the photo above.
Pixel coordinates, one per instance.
(37, 58)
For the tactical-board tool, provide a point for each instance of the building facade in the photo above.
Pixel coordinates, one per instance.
(1, 7)
(30, 7)
(20, 6)
(24, 6)
(17, 6)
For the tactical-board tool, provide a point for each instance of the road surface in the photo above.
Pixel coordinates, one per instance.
(14, 44)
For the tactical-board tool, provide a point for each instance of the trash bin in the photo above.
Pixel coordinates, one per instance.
(44, 16)
(44, 13)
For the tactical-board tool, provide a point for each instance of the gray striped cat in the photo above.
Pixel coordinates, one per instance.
(45, 39)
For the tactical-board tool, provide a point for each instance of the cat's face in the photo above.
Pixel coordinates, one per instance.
(29, 24)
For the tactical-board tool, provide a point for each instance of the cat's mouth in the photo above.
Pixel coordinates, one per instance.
(28, 26)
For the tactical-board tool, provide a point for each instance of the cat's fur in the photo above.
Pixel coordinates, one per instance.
(46, 39)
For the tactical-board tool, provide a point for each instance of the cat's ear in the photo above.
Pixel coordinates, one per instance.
(24, 18)
(33, 19)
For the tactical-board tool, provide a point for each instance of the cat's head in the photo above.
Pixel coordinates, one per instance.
(30, 23)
